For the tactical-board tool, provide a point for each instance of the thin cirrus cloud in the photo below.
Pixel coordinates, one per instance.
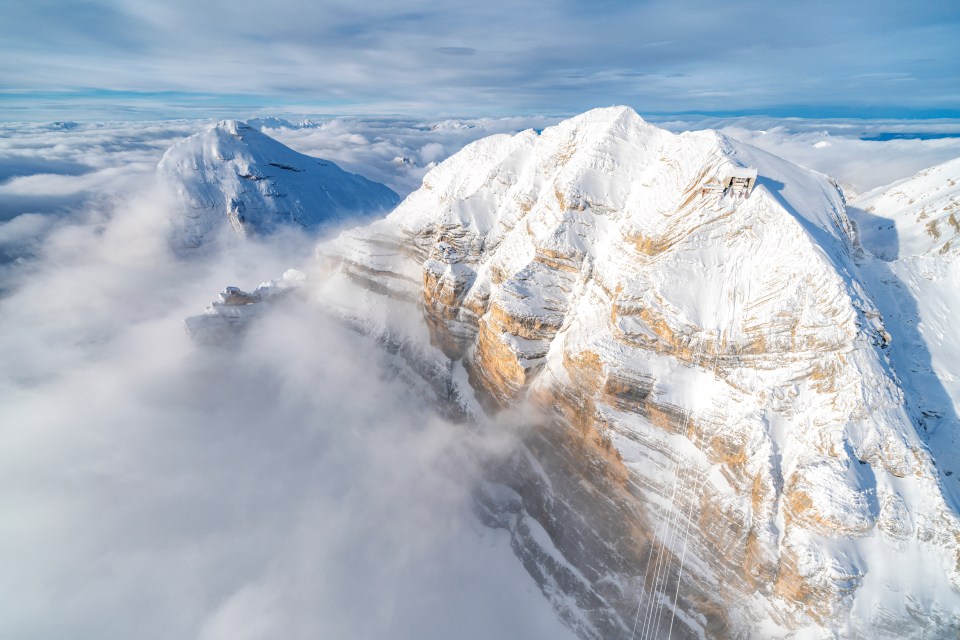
(498, 57)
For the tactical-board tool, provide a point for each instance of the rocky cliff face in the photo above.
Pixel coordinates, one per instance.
(716, 444)
(233, 178)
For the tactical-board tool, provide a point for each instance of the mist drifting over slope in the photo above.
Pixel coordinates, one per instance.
(286, 485)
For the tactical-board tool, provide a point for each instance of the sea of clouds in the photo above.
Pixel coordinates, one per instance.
(288, 484)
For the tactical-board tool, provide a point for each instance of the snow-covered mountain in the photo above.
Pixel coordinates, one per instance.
(232, 176)
(716, 441)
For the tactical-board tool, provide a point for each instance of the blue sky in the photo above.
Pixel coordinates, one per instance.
(129, 57)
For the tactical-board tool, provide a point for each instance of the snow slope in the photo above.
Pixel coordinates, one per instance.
(916, 216)
(232, 176)
(912, 266)
(717, 443)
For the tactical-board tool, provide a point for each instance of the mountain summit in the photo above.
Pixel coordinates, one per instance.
(232, 176)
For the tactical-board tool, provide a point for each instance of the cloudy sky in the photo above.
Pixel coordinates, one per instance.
(132, 57)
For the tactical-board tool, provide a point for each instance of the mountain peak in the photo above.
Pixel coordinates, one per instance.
(606, 122)
(233, 177)
(610, 114)
(233, 127)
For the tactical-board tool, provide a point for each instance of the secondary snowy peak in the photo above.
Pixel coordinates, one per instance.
(916, 216)
(232, 176)
(718, 404)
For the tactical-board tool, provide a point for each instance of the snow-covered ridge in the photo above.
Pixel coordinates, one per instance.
(232, 176)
